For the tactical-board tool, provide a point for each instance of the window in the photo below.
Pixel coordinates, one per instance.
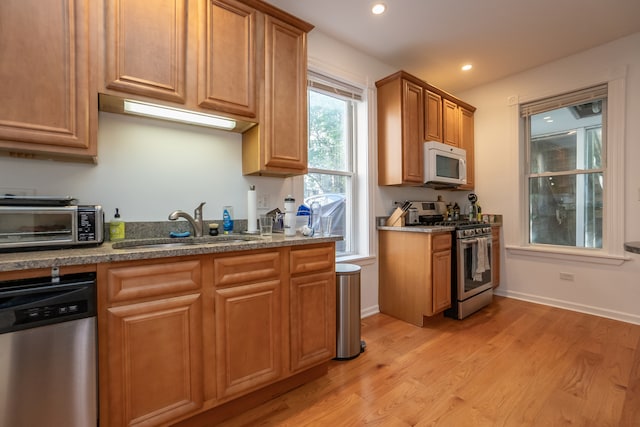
(331, 179)
(566, 168)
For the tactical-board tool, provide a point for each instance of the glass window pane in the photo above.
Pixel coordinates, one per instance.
(553, 154)
(567, 138)
(331, 192)
(566, 210)
(328, 132)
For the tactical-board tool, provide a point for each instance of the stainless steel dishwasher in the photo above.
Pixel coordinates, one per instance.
(48, 352)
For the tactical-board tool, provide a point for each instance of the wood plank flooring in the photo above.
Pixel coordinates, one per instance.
(512, 364)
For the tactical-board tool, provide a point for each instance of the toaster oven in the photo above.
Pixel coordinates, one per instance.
(33, 227)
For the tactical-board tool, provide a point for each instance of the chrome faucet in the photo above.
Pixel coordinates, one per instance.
(196, 220)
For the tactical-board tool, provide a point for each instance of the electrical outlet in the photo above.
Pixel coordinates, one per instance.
(567, 276)
(262, 201)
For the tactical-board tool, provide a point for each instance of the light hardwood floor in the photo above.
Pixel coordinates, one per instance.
(512, 364)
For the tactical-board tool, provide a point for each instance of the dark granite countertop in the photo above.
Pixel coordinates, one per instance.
(108, 253)
(632, 247)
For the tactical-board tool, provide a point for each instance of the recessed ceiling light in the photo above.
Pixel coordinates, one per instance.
(378, 8)
(467, 67)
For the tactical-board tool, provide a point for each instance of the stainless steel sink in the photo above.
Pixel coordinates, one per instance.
(189, 241)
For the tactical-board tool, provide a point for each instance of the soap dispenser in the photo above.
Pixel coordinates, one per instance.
(116, 227)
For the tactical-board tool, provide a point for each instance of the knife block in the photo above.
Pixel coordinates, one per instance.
(396, 219)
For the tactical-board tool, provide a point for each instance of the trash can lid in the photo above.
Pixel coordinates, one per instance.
(347, 268)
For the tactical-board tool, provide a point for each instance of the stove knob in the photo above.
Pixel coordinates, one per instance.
(468, 232)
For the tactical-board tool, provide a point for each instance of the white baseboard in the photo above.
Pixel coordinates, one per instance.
(369, 311)
(568, 305)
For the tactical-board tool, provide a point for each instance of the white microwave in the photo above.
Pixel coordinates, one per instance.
(444, 165)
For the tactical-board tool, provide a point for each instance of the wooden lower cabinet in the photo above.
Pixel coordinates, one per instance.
(185, 337)
(155, 360)
(414, 274)
(150, 363)
(248, 337)
(313, 319)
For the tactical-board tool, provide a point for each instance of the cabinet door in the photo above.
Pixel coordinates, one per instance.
(285, 116)
(249, 345)
(412, 133)
(467, 142)
(49, 103)
(432, 116)
(451, 123)
(313, 319)
(441, 262)
(146, 47)
(226, 74)
(154, 361)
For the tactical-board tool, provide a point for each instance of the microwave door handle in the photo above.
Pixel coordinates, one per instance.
(463, 169)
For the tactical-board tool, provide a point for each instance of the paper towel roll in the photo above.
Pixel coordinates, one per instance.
(252, 218)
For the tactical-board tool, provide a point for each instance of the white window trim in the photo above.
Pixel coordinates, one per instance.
(612, 252)
(364, 162)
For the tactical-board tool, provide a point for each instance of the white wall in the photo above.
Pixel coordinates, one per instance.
(148, 168)
(611, 291)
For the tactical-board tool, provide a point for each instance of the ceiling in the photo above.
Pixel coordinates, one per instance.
(432, 39)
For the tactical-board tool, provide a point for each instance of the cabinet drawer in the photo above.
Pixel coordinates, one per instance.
(246, 268)
(150, 280)
(314, 259)
(441, 242)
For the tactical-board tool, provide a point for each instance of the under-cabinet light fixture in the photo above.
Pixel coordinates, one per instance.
(177, 115)
(467, 67)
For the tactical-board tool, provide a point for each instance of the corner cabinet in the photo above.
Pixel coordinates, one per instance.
(277, 146)
(48, 107)
(414, 274)
(400, 131)
(411, 111)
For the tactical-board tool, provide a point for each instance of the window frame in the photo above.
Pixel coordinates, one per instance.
(327, 80)
(612, 252)
(551, 104)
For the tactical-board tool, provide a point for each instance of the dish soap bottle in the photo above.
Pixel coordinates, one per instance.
(227, 219)
(116, 227)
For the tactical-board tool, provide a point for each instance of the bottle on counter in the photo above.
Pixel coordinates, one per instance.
(289, 216)
(227, 219)
(456, 212)
(116, 227)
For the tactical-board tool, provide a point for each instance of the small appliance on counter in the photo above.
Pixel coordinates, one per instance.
(48, 222)
(425, 212)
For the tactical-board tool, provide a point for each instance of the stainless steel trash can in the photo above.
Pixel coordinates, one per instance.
(349, 344)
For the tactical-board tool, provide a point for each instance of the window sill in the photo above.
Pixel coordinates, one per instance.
(568, 255)
(357, 258)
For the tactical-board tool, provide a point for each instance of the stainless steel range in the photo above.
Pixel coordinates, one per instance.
(471, 274)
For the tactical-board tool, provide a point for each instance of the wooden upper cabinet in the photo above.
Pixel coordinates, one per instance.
(400, 131)
(48, 106)
(412, 133)
(146, 47)
(278, 146)
(432, 116)
(451, 123)
(226, 67)
(466, 142)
